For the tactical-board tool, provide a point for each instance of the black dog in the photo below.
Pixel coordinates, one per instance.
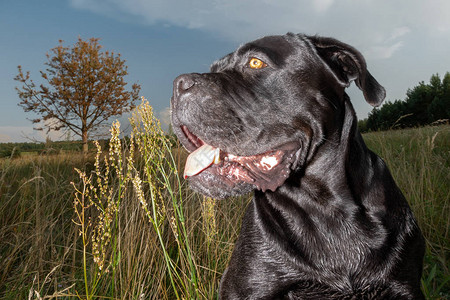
(327, 220)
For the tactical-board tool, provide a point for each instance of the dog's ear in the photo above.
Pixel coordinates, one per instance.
(347, 64)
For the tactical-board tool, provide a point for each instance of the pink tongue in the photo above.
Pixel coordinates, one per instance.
(201, 159)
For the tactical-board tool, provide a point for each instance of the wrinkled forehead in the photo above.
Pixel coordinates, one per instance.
(275, 49)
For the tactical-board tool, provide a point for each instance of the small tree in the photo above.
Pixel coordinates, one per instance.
(86, 87)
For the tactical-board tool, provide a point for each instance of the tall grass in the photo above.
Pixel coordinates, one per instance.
(419, 160)
(37, 236)
(129, 228)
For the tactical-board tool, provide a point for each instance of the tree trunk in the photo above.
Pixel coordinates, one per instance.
(85, 141)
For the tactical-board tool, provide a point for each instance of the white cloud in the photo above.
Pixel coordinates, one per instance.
(377, 25)
(398, 32)
(14, 133)
(385, 47)
(28, 134)
(434, 15)
(383, 52)
(235, 18)
(415, 33)
(20, 134)
(164, 117)
(4, 138)
(322, 5)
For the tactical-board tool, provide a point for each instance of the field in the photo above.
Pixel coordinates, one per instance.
(129, 228)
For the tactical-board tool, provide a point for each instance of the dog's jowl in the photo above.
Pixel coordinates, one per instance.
(327, 220)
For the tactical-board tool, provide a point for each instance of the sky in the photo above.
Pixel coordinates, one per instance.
(404, 41)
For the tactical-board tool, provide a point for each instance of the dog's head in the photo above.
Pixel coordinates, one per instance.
(263, 110)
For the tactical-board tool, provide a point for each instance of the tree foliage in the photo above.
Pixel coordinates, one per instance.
(84, 87)
(424, 104)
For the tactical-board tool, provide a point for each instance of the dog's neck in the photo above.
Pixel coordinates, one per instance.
(325, 173)
(322, 200)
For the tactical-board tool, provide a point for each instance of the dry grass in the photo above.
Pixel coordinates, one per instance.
(419, 160)
(171, 242)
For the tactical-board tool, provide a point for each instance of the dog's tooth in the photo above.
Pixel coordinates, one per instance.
(268, 162)
(216, 156)
(231, 156)
(201, 159)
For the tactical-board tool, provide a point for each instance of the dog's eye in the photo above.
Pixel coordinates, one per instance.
(256, 63)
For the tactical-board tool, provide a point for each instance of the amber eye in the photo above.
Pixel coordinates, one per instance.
(255, 63)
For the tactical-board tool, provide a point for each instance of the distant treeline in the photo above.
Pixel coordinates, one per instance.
(49, 147)
(424, 104)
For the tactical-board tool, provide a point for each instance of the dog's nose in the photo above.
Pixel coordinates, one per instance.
(183, 83)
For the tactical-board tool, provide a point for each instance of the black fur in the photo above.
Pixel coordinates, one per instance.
(338, 227)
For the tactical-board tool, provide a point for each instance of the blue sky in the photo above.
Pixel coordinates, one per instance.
(404, 41)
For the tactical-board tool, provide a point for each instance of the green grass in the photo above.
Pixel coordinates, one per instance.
(181, 244)
(419, 160)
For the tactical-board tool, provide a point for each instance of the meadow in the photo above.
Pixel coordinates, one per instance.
(121, 224)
